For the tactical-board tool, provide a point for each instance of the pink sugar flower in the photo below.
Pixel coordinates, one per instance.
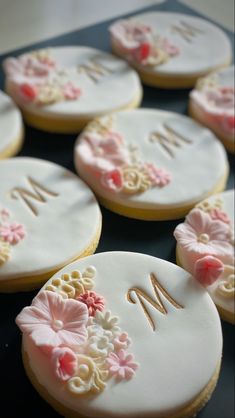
(93, 301)
(158, 176)
(102, 153)
(5, 214)
(64, 362)
(121, 341)
(204, 236)
(169, 48)
(207, 270)
(219, 215)
(53, 321)
(112, 180)
(12, 233)
(121, 365)
(71, 92)
(130, 35)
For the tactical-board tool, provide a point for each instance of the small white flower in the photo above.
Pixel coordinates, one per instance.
(106, 321)
(99, 346)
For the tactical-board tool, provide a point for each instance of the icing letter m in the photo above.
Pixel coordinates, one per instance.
(187, 31)
(38, 194)
(169, 140)
(156, 303)
(94, 70)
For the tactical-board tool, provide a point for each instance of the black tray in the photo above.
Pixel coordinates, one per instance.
(18, 398)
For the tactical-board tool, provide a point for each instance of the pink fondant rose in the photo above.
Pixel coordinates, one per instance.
(219, 215)
(12, 233)
(121, 365)
(71, 92)
(130, 36)
(207, 270)
(53, 321)
(64, 362)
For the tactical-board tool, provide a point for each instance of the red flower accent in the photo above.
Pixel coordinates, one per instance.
(142, 52)
(231, 121)
(93, 301)
(207, 270)
(28, 91)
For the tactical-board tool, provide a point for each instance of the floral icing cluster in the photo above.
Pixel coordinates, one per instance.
(207, 235)
(81, 341)
(117, 167)
(217, 101)
(11, 233)
(139, 44)
(35, 78)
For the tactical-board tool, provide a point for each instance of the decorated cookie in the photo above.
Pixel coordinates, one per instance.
(170, 50)
(150, 164)
(113, 335)
(11, 127)
(212, 104)
(61, 89)
(205, 247)
(48, 218)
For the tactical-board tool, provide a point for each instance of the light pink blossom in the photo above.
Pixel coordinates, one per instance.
(71, 92)
(112, 180)
(64, 362)
(158, 176)
(4, 214)
(202, 235)
(12, 233)
(121, 365)
(93, 301)
(121, 341)
(207, 270)
(53, 321)
(171, 49)
(102, 153)
(130, 35)
(218, 214)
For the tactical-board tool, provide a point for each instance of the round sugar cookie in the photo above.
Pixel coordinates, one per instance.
(120, 338)
(205, 248)
(212, 104)
(61, 89)
(48, 218)
(11, 127)
(150, 164)
(170, 50)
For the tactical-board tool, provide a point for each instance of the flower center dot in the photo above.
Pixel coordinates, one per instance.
(204, 238)
(57, 324)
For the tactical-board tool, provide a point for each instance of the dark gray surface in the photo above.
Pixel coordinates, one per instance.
(18, 398)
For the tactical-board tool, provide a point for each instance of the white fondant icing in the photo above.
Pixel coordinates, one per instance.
(10, 122)
(117, 88)
(196, 167)
(176, 361)
(208, 47)
(65, 226)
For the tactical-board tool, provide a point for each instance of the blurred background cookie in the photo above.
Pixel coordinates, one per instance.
(170, 50)
(11, 127)
(212, 104)
(61, 89)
